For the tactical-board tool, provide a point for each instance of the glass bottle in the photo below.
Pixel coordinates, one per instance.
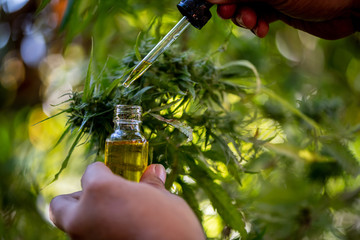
(126, 150)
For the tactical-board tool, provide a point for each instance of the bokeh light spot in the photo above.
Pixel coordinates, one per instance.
(44, 135)
(289, 44)
(13, 73)
(11, 6)
(33, 49)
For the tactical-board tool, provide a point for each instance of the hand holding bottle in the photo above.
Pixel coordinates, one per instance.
(329, 19)
(110, 207)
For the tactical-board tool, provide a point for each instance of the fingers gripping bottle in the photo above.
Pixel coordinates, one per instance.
(126, 150)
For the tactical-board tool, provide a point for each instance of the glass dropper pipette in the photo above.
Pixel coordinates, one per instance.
(195, 12)
(148, 60)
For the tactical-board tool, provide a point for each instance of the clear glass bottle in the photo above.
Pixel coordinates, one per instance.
(126, 150)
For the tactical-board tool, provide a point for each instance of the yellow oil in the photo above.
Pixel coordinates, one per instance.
(139, 70)
(127, 158)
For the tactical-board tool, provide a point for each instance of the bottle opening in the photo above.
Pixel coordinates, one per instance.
(128, 113)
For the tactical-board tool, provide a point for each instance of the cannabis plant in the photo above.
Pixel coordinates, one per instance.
(274, 158)
(205, 124)
(193, 128)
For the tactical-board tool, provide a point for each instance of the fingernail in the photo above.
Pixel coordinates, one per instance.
(240, 21)
(160, 172)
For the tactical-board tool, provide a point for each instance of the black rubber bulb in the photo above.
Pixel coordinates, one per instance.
(197, 12)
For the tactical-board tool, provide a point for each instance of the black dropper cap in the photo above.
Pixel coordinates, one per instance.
(196, 11)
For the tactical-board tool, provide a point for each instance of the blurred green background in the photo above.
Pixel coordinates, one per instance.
(300, 190)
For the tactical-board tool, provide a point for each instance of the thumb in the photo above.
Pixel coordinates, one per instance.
(154, 175)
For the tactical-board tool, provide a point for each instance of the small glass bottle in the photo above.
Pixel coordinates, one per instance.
(126, 150)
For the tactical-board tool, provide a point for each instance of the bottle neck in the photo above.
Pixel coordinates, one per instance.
(127, 118)
(133, 126)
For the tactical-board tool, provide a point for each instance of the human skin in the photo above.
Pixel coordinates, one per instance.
(328, 19)
(110, 207)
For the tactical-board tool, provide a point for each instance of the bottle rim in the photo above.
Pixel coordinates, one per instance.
(127, 113)
(128, 107)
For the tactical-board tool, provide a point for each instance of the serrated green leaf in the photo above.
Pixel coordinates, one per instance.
(342, 155)
(227, 157)
(177, 124)
(189, 86)
(192, 91)
(219, 198)
(166, 106)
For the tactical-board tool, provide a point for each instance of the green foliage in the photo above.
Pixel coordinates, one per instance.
(20, 197)
(195, 131)
(218, 197)
(271, 142)
(182, 98)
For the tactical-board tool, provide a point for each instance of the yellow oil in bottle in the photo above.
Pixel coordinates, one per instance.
(127, 158)
(139, 70)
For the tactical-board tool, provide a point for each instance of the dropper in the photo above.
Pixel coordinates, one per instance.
(150, 58)
(196, 12)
